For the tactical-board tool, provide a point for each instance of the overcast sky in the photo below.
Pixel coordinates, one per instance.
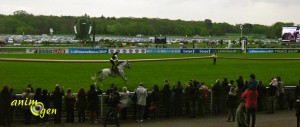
(265, 12)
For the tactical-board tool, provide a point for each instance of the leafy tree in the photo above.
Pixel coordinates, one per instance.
(21, 21)
(275, 30)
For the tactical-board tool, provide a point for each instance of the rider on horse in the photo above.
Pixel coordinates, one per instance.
(114, 61)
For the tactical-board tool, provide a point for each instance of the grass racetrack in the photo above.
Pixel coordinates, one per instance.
(76, 75)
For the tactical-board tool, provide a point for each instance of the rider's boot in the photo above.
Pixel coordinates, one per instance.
(116, 70)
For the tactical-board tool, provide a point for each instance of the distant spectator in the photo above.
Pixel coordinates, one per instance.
(110, 89)
(272, 91)
(216, 91)
(26, 109)
(148, 105)
(298, 111)
(30, 87)
(296, 94)
(39, 97)
(297, 90)
(124, 96)
(225, 90)
(231, 84)
(114, 104)
(203, 97)
(251, 95)
(186, 99)
(214, 56)
(70, 101)
(46, 102)
(57, 102)
(12, 108)
(155, 97)
(240, 83)
(93, 102)
(81, 105)
(281, 99)
(252, 84)
(262, 91)
(191, 93)
(166, 95)
(241, 115)
(5, 108)
(141, 94)
(225, 84)
(177, 99)
(231, 104)
(246, 85)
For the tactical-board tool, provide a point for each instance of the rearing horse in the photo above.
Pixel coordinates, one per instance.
(104, 73)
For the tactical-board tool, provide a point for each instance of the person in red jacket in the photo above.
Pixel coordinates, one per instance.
(251, 96)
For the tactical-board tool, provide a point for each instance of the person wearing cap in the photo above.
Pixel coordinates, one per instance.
(113, 60)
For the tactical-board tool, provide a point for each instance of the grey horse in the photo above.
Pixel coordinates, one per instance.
(104, 73)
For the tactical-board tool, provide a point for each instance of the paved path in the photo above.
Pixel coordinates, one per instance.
(279, 119)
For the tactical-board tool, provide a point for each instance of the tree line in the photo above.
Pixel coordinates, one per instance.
(21, 22)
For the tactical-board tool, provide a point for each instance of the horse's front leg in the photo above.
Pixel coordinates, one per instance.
(124, 78)
(100, 80)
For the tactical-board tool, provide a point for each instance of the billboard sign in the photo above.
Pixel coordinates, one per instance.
(160, 40)
(196, 50)
(163, 50)
(88, 51)
(290, 34)
(131, 50)
(47, 51)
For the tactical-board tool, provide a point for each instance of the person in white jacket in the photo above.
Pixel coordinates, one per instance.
(124, 100)
(141, 94)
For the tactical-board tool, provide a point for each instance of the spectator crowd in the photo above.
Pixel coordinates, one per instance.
(242, 100)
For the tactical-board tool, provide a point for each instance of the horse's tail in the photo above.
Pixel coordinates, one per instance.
(95, 75)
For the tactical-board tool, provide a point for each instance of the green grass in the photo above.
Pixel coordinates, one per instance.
(77, 75)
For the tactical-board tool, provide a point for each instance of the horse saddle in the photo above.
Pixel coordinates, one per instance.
(115, 71)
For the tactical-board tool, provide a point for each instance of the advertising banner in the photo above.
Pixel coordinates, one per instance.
(273, 50)
(196, 50)
(228, 50)
(87, 51)
(47, 51)
(163, 51)
(132, 50)
(286, 50)
(260, 50)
